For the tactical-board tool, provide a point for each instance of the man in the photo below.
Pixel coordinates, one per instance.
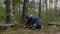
(33, 21)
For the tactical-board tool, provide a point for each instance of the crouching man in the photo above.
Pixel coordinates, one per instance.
(33, 21)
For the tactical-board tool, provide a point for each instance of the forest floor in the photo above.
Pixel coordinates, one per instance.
(45, 30)
(52, 29)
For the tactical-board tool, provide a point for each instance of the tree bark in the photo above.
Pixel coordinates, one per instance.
(19, 12)
(43, 5)
(24, 12)
(46, 6)
(33, 6)
(9, 11)
(40, 8)
(55, 7)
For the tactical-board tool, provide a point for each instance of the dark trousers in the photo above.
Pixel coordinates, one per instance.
(33, 25)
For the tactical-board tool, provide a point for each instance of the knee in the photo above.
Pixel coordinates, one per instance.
(38, 27)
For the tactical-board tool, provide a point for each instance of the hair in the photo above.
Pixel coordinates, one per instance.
(27, 17)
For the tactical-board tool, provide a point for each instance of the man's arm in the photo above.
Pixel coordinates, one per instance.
(27, 22)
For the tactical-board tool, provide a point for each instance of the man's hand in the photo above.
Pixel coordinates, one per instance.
(24, 26)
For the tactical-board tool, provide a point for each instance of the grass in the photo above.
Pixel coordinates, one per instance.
(45, 30)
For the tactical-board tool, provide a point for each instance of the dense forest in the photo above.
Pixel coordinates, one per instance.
(14, 11)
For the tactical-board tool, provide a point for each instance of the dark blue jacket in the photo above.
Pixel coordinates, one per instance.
(34, 19)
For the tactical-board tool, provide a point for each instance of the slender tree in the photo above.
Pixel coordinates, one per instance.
(25, 9)
(19, 5)
(34, 5)
(46, 6)
(40, 8)
(43, 4)
(55, 7)
(46, 11)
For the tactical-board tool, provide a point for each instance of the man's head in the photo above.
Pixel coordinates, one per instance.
(27, 17)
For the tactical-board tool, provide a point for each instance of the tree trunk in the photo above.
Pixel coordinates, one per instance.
(19, 11)
(46, 6)
(43, 5)
(55, 7)
(9, 11)
(25, 9)
(59, 12)
(33, 6)
(40, 8)
(46, 11)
